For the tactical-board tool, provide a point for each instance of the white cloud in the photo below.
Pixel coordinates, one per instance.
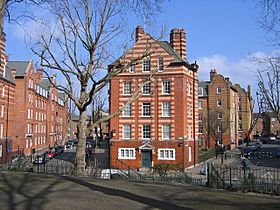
(242, 71)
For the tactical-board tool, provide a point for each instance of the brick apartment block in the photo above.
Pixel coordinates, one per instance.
(41, 110)
(232, 101)
(7, 104)
(267, 124)
(161, 125)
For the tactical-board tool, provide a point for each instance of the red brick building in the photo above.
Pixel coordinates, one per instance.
(161, 125)
(218, 96)
(245, 106)
(41, 111)
(7, 104)
(227, 101)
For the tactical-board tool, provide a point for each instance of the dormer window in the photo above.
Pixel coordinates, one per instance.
(146, 65)
(160, 64)
(132, 68)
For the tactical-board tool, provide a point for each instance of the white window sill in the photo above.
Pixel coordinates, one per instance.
(126, 158)
(166, 158)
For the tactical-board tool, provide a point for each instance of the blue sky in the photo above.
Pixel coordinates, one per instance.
(220, 34)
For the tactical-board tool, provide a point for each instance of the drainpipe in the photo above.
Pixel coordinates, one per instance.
(7, 121)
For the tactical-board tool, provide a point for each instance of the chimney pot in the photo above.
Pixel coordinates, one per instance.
(178, 41)
(213, 73)
(39, 75)
(139, 32)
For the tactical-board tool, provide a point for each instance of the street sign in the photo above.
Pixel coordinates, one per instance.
(10, 149)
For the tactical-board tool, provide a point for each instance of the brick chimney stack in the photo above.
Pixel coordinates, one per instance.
(39, 75)
(249, 90)
(178, 41)
(139, 32)
(213, 73)
(2, 50)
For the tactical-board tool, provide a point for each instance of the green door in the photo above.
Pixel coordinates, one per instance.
(146, 158)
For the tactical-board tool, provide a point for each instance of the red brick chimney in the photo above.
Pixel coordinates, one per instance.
(213, 73)
(139, 32)
(178, 41)
(2, 50)
(39, 75)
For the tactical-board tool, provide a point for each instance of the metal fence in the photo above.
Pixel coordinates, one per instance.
(253, 179)
(171, 176)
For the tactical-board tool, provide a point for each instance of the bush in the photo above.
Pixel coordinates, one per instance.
(162, 169)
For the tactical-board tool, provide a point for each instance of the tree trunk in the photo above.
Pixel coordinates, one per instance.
(80, 163)
(2, 14)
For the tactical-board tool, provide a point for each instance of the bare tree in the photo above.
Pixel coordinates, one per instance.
(215, 123)
(80, 53)
(269, 84)
(270, 19)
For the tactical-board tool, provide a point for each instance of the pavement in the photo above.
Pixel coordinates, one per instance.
(37, 191)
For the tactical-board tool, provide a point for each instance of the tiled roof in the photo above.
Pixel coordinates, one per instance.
(45, 83)
(177, 58)
(167, 47)
(9, 76)
(204, 84)
(19, 66)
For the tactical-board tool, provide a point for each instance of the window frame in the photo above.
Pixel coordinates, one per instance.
(219, 90)
(132, 68)
(164, 110)
(166, 154)
(127, 109)
(146, 65)
(149, 89)
(160, 64)
(130, 151)
(125, 132)
(145, 110)
(144, 125)
(219, 102)
(164, 132)
(125, 88)
(164, 83)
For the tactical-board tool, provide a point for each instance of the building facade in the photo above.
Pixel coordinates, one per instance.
(245, 111)
(217, 105)
(41, 111)
(266, 124)
(7, 104)
(160, 125)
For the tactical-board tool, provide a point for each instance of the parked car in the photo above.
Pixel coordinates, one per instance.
(258, 143)
(278, 153)
(253, 145)
(50, 154)
(69, 143)
(248, 151)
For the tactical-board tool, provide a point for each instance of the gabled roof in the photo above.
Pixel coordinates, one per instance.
(167, 47)
(45, 83)
(19, 66)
